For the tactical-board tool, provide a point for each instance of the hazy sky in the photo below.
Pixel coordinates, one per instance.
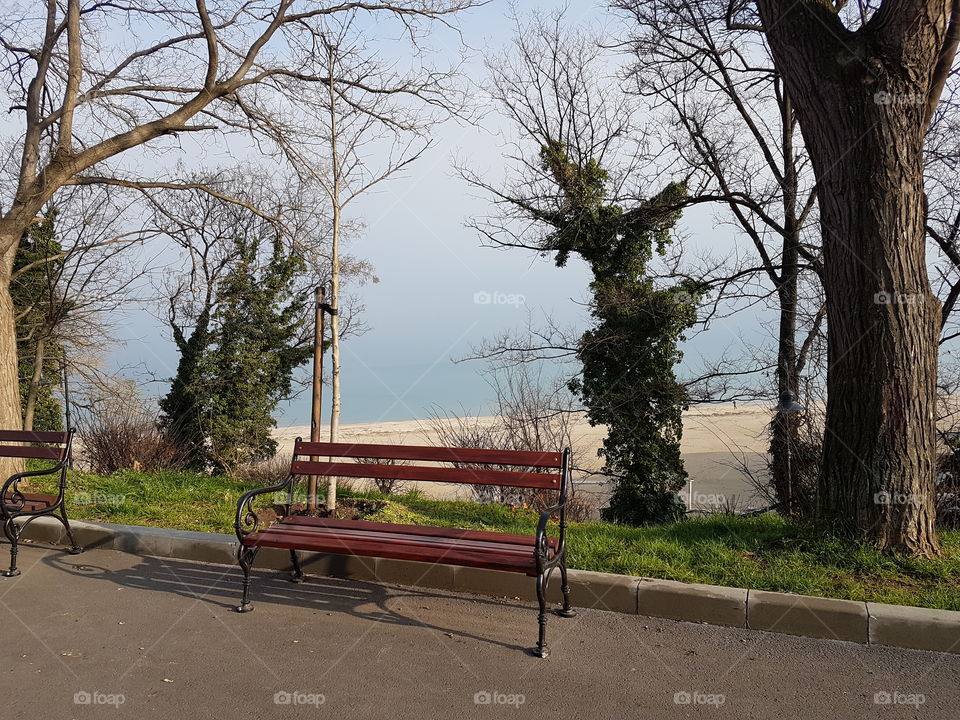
(424, 312)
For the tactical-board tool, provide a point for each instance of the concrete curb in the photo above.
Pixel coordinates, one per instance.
(867, 623)
(808, 616)
(711, 604)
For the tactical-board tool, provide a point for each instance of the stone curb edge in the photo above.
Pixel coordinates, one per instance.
(861, 622)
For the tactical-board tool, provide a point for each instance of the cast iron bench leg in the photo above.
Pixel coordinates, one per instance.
(541, 650)
(297, 574)
(12, 532)
(245, 556)
(567, 611)
(74, 548)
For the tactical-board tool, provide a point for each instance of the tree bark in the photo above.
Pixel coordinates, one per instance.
(861, 99)
(336, 203)
(784, 434)
(10, 417)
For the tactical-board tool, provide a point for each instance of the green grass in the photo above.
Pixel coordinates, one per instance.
(764, 553)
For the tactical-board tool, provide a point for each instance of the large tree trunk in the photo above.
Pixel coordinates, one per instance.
(862, 99)
(10, 417)
(880, 445)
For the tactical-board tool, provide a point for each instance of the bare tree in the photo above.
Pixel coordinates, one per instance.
(730, 127)
(69, 285)
(534, 411)
(91, 84)
(553, 86)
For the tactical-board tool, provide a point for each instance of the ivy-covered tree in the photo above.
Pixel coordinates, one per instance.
(255, 350)
(181, 407)
(627, 382)
(38, 307)
(578, 189)
(237, 362)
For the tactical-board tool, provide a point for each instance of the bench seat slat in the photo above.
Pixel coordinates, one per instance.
(322, 542)
(35, 501)
(545, 481)
(345, 540)
(523, 458)
(347, 535)
(427, 530)
(455, 550)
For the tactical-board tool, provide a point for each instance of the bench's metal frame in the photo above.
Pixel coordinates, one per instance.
(248, 522)
(13, 503)
(13, 499)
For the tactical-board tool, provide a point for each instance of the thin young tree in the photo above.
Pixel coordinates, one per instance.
(373, 122)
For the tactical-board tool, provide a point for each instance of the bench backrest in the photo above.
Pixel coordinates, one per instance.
(50, 438)
(544, 470)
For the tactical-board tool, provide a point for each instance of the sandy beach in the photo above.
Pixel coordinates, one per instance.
(717, 439)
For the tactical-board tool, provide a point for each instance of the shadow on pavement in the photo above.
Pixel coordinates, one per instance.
(219, 585)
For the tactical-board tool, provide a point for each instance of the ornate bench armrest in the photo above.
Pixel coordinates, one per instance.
(542, 546)
(12, 498)
(247, 521)
(566, 488)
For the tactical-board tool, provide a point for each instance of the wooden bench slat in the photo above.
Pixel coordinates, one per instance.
(41, 436)
(480, 456)
(35, 501)
(324, 542)
(28, 451)
(348, 535)
(426, 530)
(545, 481)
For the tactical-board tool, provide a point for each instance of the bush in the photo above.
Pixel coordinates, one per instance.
(124, 436)
(640, 504)
(387, 486)
(532, 414)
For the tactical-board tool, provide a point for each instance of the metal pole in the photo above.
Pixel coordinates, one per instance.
(317, 409)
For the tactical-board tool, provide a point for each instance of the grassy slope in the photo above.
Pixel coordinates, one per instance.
(766, 553)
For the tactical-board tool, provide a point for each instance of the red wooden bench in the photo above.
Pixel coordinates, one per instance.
(535, 555)
(18, 508)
